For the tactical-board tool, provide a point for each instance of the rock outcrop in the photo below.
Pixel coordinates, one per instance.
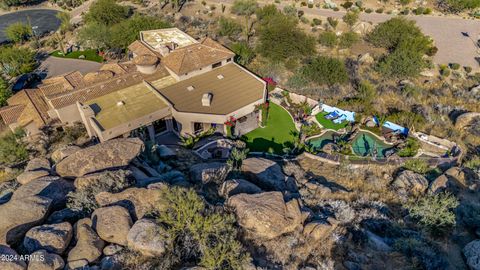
(51, 187)
(472, 254)
(408, 182)
(89, 245)
(267, 215)
(112, 224)
(318, 230)
(95, 178)
(10, 264)
(465, 119)
(42, 260)
(53, 238)
(139, 201)
(237, 186)
(19, 215)
(64, 152)
(147, 237)
(111, 154)
(36, 168)
(208, 172)
(267, 175)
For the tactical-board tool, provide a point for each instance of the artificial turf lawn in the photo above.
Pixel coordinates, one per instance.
(90, 55)
(277, 132)
(328, 124)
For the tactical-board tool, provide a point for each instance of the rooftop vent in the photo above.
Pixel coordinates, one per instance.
(120, 103)
(190, 88)
(207, 99)
(220, 76)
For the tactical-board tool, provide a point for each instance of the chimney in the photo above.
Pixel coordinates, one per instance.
(207, 99)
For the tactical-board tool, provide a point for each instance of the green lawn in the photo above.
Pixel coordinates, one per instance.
(90, 55)
(275, 134)
(328, 124)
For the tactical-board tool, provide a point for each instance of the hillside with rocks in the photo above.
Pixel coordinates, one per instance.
(126, 205)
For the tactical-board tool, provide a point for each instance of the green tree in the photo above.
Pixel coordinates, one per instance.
(107, 12)
(126, 32)
(95, 35)
(434, 212)
(18, 32)
(228, 27)
(325, 70)
(348, 39)
(328, 39)
(244, 53)
(406, 45)
(65, 24)
(5, 92)
(281, 39)
(351, 18)
(15, 61)
(245, 8)
(12, 148)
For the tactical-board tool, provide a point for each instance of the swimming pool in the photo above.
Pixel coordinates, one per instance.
(319, 142)
(366, 144)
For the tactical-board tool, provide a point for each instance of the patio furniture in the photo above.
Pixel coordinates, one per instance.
(332, 115)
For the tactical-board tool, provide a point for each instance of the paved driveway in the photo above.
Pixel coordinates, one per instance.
(55, 66)
(44, 19)
(452, 46)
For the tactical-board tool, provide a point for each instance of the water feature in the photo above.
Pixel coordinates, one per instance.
(366, 144)
(319, 142)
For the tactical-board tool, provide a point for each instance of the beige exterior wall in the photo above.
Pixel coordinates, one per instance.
(67, 115)
(127, 127)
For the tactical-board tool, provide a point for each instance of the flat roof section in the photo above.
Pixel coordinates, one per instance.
(231, 87)
(157, 38)
(125, 105)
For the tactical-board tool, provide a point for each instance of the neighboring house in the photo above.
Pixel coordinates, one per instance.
(172, 83)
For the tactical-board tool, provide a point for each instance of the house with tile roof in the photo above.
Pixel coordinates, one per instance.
(171, 83)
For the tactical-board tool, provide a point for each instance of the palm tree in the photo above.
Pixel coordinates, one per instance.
(245, 8)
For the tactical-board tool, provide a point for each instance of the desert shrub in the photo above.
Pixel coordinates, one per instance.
(467, 69)
(316, 21)
(325, 71)
(310, 129)
(5, 92)
(228, 27)
(244, 53)
(15, 61)
(350, 18)
(328, 39)
(83, 200)
(310, 5)
(18, 32)
(348, 39)
(280, 38)
(297, 81)
(469, 215)
(410, 149)
(12, 147)
(107, 12)
(458, 5)
(199, 234)
(332, 22)
(419, 10)
(416, 165)
(405, 2)
(237, 155)
(434, 212)
(347, 5)
(455, 66)
(420, 252)
(66, 135)
(407, 119)
(427, 11)
(406, 45)
(379, 10)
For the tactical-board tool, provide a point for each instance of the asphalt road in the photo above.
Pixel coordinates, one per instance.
(452, 46)
(44, 19)
(54, 66)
